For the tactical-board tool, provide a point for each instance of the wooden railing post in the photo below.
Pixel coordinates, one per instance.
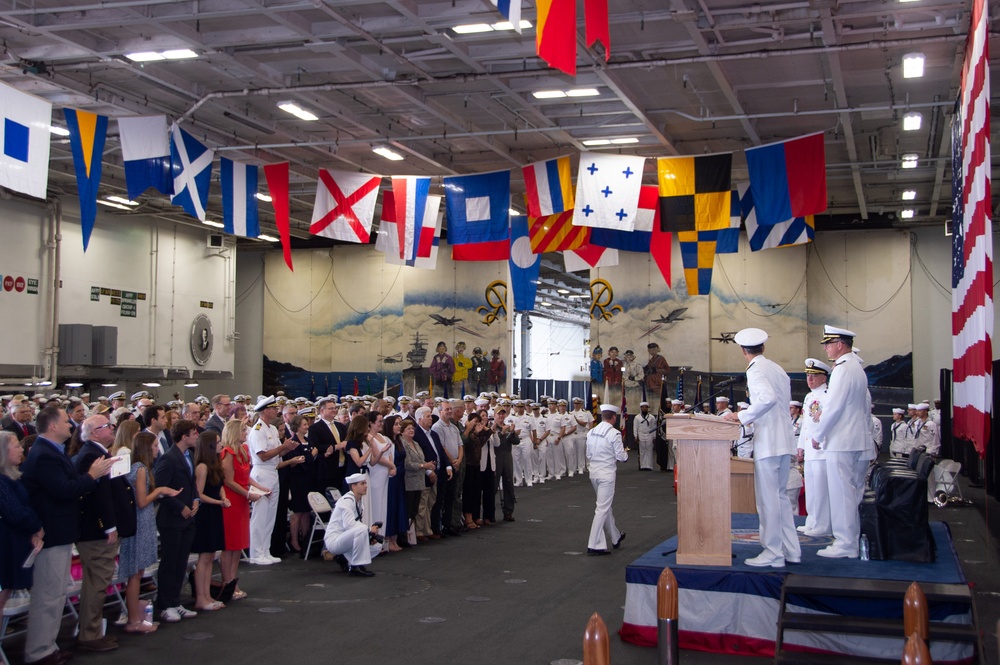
(915, 613)
(596, 646)
(916, 652)
(667, 641)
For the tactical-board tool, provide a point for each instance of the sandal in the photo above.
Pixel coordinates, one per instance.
(239, 595)
(211, 607)
(141, 627)
(226, 594)
(471, 525)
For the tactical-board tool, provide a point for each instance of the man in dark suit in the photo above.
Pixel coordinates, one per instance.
(156, 424)
(221, 405)
(175, 520)
(107, 515)
(54, 489)
(330, 438)
(21, 421)
(431, 446)
(77, 411)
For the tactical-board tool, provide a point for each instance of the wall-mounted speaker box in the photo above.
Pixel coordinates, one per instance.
(76, 344)
(105, 347)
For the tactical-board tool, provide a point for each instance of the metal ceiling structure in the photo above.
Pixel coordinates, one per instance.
(684, 77)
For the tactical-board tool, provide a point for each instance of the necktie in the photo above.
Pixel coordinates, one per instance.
(24, 428)
(336, 437)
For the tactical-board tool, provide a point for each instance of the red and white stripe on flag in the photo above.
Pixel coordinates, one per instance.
(345, 205)
(972, 282)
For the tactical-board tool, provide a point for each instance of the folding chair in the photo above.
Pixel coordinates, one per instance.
(945, 477)
(15, 609)
(320, 506)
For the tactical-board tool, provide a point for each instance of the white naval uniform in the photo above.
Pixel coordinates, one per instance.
(604, 450)
(569, 443)
(844, 433)
(262, 438)
(817, 493)
(522, 452)
(559, 423)
(347, 534)
(584, 421)
(540, 427)
(644, 429)
(925, 433)
(900, 438)
(876, 435)
(773, 447)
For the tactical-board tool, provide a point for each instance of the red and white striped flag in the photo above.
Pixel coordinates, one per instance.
(972, 244)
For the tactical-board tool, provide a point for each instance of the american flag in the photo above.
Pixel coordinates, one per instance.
(972, 243)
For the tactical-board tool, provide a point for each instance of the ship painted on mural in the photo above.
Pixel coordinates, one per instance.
(418, 352)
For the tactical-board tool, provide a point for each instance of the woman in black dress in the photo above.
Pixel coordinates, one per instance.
(396, 516)
(301, 474)
(209, 532)
(20, 529)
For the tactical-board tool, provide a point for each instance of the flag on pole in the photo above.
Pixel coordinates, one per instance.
(191, 167)
(345, 205)
(24, 142)
(511, 10)
(607, 190)
(972, 243)
(87, 133)
(239, 198)
(695, 192)
(146, 153)
(549, 187)
(555, 33)
(277, 185)
(556, 233)
(478, 209)
(788, 179)
(524, 265)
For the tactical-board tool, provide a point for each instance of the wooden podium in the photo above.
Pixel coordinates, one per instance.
(703, 506)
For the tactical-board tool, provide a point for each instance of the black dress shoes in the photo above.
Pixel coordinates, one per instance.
(359, 571)
(620, 539)
(342, 560)
(593, 552)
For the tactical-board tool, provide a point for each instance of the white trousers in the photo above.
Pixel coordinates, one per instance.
(817, 498)
(263, 513)
(522, 462)
(777, 528)
(646, 451)
(556, 458)
(568, 446)
(538, 460)
(581, 453)
(604, 520)
(845, 477)
(353, 544)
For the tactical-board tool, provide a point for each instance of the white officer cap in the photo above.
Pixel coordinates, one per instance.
(264, 403)
(481, 402)
(118, 395)
(814, 366)
(833, 334)
(750, 337)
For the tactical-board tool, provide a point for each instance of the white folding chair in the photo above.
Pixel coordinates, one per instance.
(319, 506)
(945, 477)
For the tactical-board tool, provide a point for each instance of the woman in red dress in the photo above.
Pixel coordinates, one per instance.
(235, 459)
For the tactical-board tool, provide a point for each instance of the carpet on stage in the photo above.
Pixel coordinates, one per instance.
(735, 609)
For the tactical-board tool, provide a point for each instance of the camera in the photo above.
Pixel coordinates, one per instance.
(377, 538)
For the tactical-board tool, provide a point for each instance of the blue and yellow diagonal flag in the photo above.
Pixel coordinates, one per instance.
(87, 133)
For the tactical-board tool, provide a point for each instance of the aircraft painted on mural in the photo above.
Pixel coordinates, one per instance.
(673, 317)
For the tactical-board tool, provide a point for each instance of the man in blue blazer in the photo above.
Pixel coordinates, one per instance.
(54, 489)
(431, 446)
(175, 520)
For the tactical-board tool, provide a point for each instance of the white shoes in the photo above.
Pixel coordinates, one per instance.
(262, 561)
(801, 529)
(175, 614)
(274, 559)
(834, 552)
(184, 612)
(765, 559)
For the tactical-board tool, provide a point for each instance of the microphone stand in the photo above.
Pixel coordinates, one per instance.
(727, 382)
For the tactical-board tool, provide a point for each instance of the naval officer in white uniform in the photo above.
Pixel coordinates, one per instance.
(604, 450)
(817, 494)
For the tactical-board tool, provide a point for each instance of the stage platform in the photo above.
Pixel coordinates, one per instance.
(735, 610)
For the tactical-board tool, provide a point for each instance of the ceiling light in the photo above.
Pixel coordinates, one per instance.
(109, 385)
(191, 384)
(179, 54)
(910, 160)
(909, 195)
(546, 303)
(912, 121)
(111, 204)
(43, 383)
(597, 142)
(58, 131)
(513, 212)
(144, 56)
(218, 225)
(122, 200)
(152, 384)
(266, 198)
(473, 28)
(297, 111)
(583, 92)
(913, 65)
(630, 139)
(562, 291)
(74, 385)
(548, 94)
(388, 154)
(906, 214)
(267, 238)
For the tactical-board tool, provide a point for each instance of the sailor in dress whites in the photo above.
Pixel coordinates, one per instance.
(604, 450)
(795, 413)
(817, 494)
(898, 430)
(584, 421)
(722, 406)
(644, 429)
(347, 537)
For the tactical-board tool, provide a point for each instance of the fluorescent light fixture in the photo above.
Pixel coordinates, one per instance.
(144, 56)
(909, 195)
(122, 200)
(913, 65)
(906, 214)
(548, 94)
(74, 385)
(297, 111)
(473, 28)
(109, 385)
(218, 225)
(910, 160)
(179, 54)
(629, 139)
(152, 384)
(513, 212)
(546, 303)
(583, 92)
(58, 131)
(912, 121)
(562, 291)
(597, 142)
(43, 383)
(191, 384)
(267, 238)
(266, 198)
(388, 154)
(111, 204)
